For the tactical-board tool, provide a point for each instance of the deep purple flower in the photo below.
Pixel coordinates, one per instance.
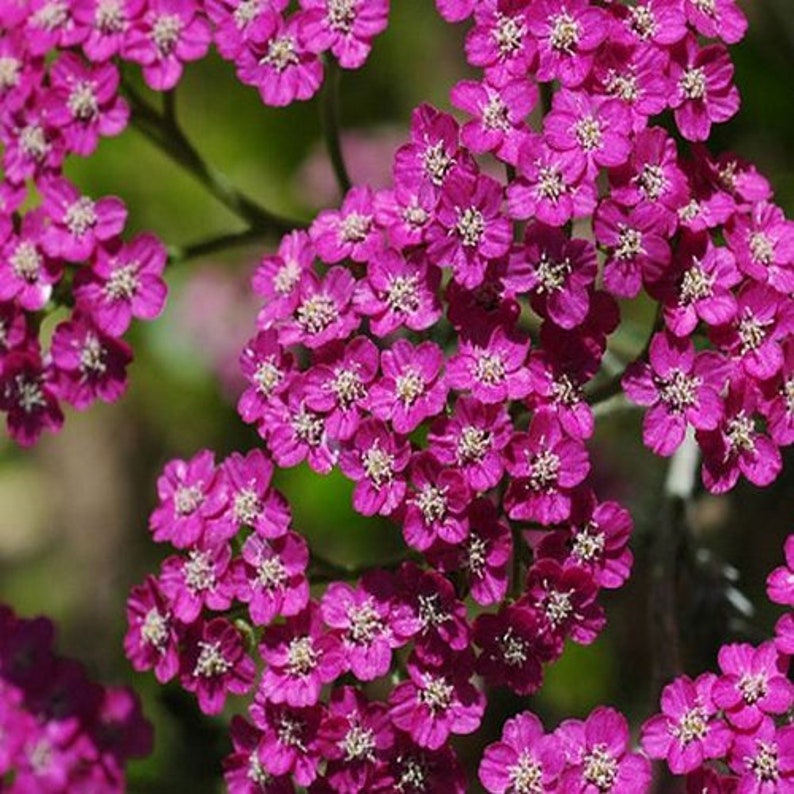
(244, 770)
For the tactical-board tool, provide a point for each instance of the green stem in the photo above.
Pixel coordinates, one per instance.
(213, 245)
(164, 132)
(330, 121)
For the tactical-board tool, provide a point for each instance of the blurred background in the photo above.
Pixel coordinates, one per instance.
(73, 511)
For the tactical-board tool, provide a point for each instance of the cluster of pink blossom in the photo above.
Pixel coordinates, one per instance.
(59, 731)
(58, 246)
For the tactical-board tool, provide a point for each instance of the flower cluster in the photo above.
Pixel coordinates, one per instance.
(58, 246)
(730, 732)
(60, 732)
(441, 343)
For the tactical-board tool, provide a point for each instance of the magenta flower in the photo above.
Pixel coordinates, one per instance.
(340, 386)
(551, 186)
(738, 446)
(251, 500)
(415, 769)
(780, 583)
(558, 272)
(498, 113)
(598, 756)
(107, 22)
(322, 312)
(698, 286)
(28, 396)
(350, 232)
(472, 439)
(491, 368)
(777, 399)
(153, 635)
(524, 759)
(125, 281)
(33, 145)
(500, 42)
(355, 736)
(78, 224)
(191, 493)
(215, 664)
(764, 759)
(680, 388)
(300, 659)
(597, 128)
(705, 92)
(754, 683)
(84, 102)
(169, 34)
(399, 291)
(271, 578)
(90, 365)
(763, 243)
(512, 648)
(470, 229)
(688, 731)
(345, 27)
(278, 61)
(412, 388)
(637, 249)
(436, 510)
(244, 770)
(267, 369)
(374, 461)
(290, 739)
(436, 702)
(362, 616)
(234, 21)
(546, 466)
(718, 19)
(405, 213)
(27, 272)
(567, 36)
(659, 21)
(199, 579)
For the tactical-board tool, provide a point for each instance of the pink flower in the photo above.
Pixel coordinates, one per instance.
(412, 388)
(350, 232)
(267, 368)
(278, 61)
(215, 664)
(345, 28)
(300, 659)
(780, 583)
(244, 770)
(470, 229)
(718, 19)
(524, 758)
(107, 24)
(764, 759)
(125, 281)
(169, 34)
(705, 93)
(374, 461)
(688, 730)
(271, 578)
(597, 752)
(436, 702)
(84, 102)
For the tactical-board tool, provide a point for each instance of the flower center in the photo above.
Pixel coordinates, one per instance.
(495, 114)
(10, 69)
(551, 183)
(600, 768)
(652, 182)
(761, 249)
(565, 33)
(267, 376)
(692, 83)
(287, 276)
(557, 607)
(588, 133)
(199, 572)
(696, 285)
(705, 6)
(753, 687)
(413, 776)
(365, 623)
(52, 16)
(246, 507)
(29, 394)
(489, 369)
(165, 33)
(281, 53)
(545, 469)
(436, 162)
(358, 744)
(623, 86)
(679, 390)
(437, 693)
(565, 391)
(308, 427)
(692, 726)
(508, 34)
(643, 22)
(430, 612)
(476, 555)
(123, 282)
(26, 261)
(402, 295)
(473, 444)
(109, 16)
(80, 216)
(526, 776)
(290, 733)
(409, 387)
(629, 244)
(378, 466)
(92, 356)
(188, 499)
(470, 226)
(355, 227)
(271, 574)
(551, 275)
(82, 101)
(316, 313)
(348, 388)
(514, 649)
(154, 629)
(211, 662)
(740, 433)
(342, 15)
(33, 141)
(752, 332)
(432, 502)
(246, 12)
(764, 765)
(586, 546)
(256, 773)
(302, 658)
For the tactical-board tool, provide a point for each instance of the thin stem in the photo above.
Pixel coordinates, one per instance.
(165, 133)
(329, 109)
(213, 245)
